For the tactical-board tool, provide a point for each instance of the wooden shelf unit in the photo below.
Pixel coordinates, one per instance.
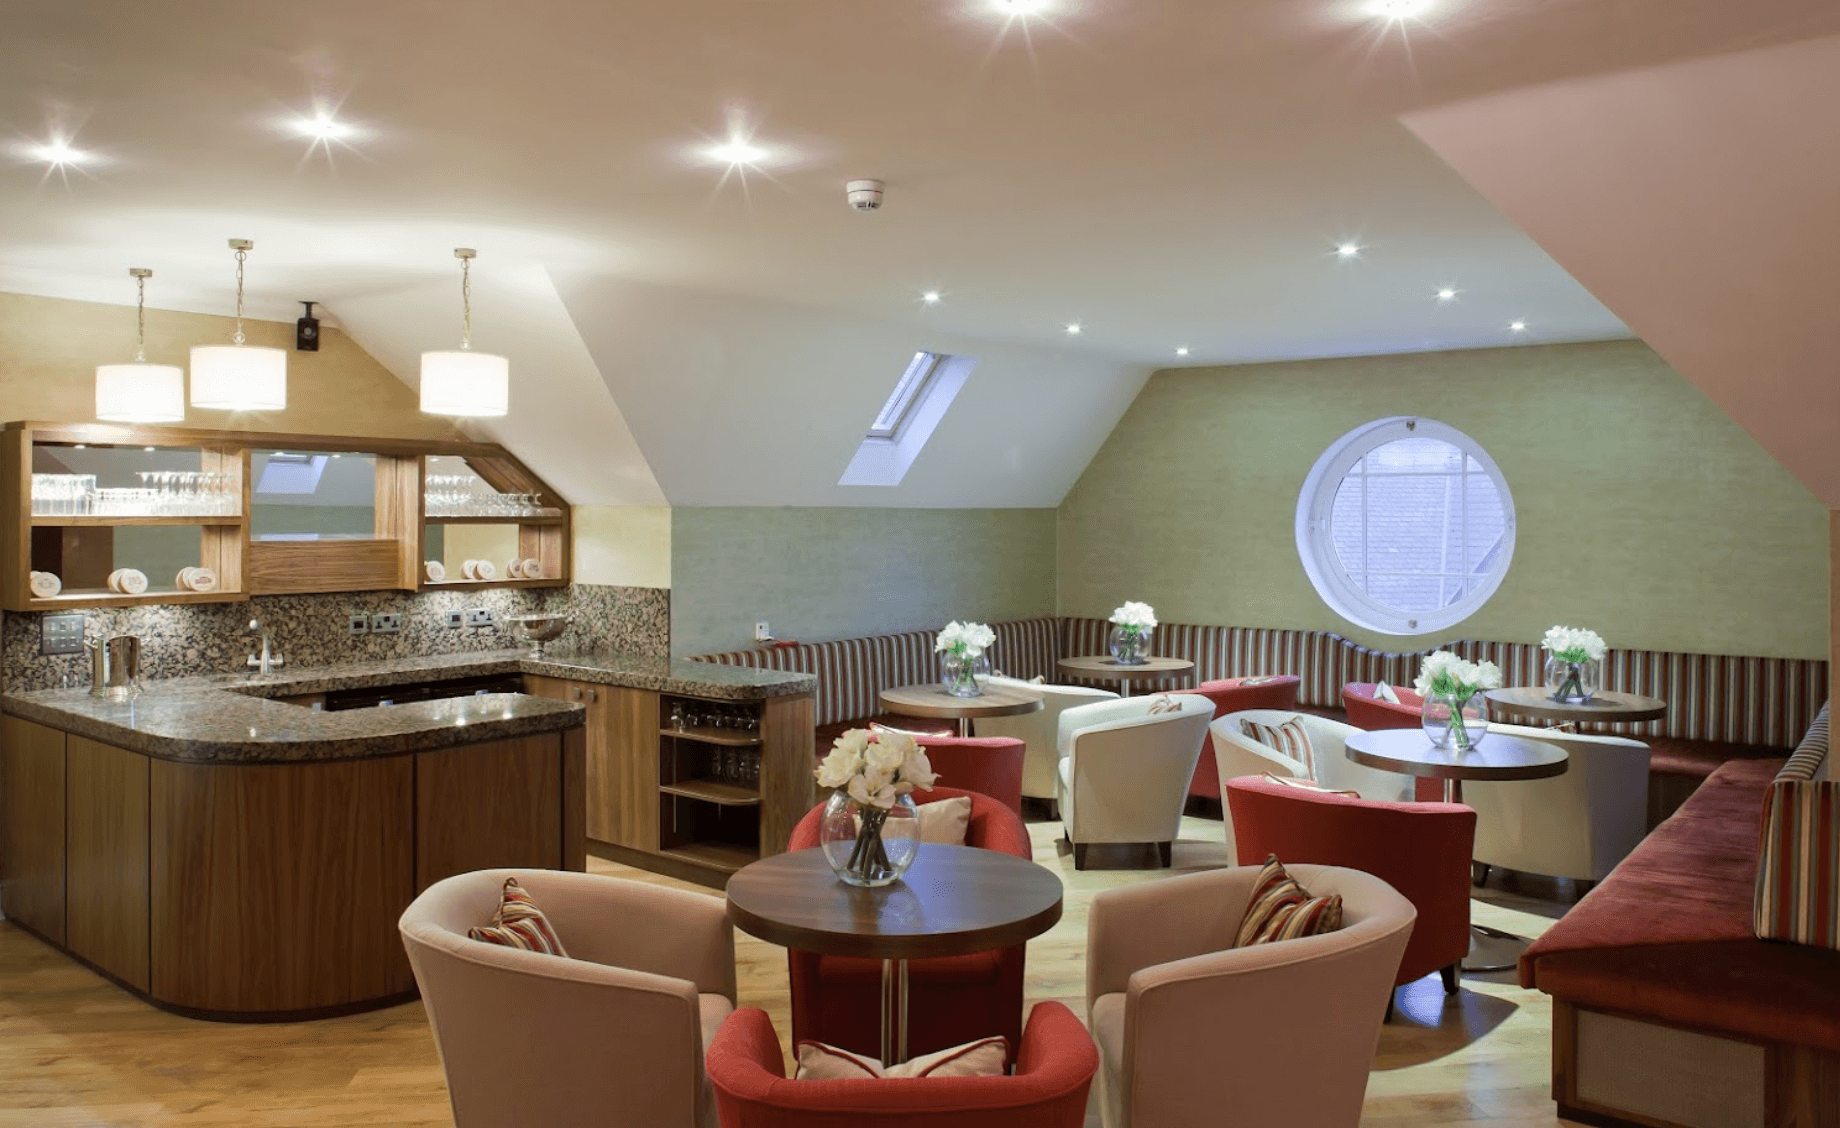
(713, 736)
(389, 560)
(713, 791)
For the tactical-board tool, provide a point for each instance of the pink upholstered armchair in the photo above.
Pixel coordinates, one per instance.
(951, 1000)
(1054, 1068)
(1365, 711)
(610, 1036)
(1230, 695)
(1420, 849)
(988, 765)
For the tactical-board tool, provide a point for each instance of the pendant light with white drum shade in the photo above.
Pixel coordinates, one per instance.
(239, 377)
(464, 382)
(140, 392)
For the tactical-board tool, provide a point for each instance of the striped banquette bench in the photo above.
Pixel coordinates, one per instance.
(1699, 984)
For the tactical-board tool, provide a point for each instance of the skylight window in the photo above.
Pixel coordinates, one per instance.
(904, 424)
(909, 391)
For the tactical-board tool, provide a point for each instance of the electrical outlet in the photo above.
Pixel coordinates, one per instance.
(455, 620)
(61, 634)
(386, 622)
(480, 617)
(360, 623)
(761, 633)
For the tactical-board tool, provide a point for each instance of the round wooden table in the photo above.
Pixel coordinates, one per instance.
(953, 901)
(1100, 667)
(932, 701)
(1606, 706)
(1497, 757)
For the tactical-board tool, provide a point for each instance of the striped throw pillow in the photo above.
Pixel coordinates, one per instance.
(1290, 738)
(1281, 909)
(982, 1058)
(519, 924)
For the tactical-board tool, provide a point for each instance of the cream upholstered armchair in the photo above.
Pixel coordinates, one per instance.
(1194, 1033)
(613, 1034)
(1577, 825)
(1040, 731)
(1236, 754)
(1124, 770)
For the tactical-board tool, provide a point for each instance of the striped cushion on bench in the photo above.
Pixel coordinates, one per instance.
(1798, 873)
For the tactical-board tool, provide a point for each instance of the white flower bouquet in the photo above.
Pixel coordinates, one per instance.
(875, 771)
(1455, 680)
(1135, 618)
(964, 641)
(1573, 672)
(1132, 625)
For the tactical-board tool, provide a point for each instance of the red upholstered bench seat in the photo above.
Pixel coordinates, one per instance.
(1668, 936)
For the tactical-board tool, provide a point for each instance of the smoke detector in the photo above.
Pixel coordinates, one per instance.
(864, 195)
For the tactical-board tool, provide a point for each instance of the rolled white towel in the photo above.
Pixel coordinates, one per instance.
(45, 585)
(470, 569)
(203, 579)
(533, 568)
(114, 580)
(133, 581)
(514, 569)
(435, 571)
(485, 570)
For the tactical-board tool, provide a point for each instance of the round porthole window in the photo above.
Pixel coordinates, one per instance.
(1405, 526)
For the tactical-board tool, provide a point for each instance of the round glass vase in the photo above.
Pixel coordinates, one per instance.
(866, 845)
(1130, 645)
(1455, 724)
(959, 676)
(1573, 683)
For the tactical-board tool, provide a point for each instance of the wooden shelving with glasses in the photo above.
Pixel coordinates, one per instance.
(390, 559)
(538, 530)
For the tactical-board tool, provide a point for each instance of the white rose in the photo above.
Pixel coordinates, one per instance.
(839, 768)
(882, 796)
(917, 771)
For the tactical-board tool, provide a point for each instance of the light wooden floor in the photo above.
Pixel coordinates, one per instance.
(74, 1050)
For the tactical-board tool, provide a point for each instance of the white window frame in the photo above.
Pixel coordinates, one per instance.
(909, 391)
(1315, 536)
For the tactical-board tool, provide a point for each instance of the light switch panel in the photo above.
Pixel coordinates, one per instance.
(61, 634)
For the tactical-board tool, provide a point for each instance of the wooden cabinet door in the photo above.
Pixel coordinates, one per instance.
(106, 836)
(32, 826)
(622, 731)
(496, 805)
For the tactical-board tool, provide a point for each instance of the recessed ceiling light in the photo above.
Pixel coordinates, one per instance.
(1348, 250)
(1518, 326)
(1446, 294)
(930, 297)
(322, 127)
(736, 152)
(1183, 351)
(57, 153)
(1073, 330)
(1399, 9)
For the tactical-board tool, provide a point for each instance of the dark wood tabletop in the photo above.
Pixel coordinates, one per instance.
(1606, 705)
(933, 701)
(1496, 757)
(955, 900)
(1100, 667)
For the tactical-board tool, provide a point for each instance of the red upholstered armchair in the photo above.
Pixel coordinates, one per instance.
(1230, 695)
(951, 1000)
(988, 765)
(1421, 849)
(1054, 1067)
(1365, 711)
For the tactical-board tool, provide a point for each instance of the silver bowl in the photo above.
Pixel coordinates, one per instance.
(539, 628)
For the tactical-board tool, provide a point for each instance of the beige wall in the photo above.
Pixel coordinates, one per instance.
(50, 347)
(1644, 511)
(816, 574)
(623, 545)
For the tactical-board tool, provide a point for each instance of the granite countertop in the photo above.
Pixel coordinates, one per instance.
(236, 718)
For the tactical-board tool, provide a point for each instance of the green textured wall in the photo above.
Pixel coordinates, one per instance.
(816, 574)
(1644, 511)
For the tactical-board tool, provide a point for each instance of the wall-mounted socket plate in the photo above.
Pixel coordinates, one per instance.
(455, 620)
(360, 623)
(761, 633)
(61, 634)
(480, 617)
(386, 622)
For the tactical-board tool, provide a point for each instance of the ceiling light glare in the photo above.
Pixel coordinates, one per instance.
(1021, 7)
(1517, 326)
(322, 127)
(1073, 330)
(930, 297)
(57, 153)
(1348, 250)
(736, 152)
(1446, 294)
(1399, 9)
(1183, 351)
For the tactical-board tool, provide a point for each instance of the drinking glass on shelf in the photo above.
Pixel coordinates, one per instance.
(677, 715)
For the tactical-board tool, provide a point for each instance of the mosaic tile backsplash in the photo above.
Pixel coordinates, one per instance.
(314, 630)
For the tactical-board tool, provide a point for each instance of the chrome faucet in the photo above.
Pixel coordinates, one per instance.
(268, 661)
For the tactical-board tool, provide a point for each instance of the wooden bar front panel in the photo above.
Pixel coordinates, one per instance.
(32, 826)
(106, 888)
(622, 739)
(292, 567)
(276, 887)
(787, 787)
(496, 805)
